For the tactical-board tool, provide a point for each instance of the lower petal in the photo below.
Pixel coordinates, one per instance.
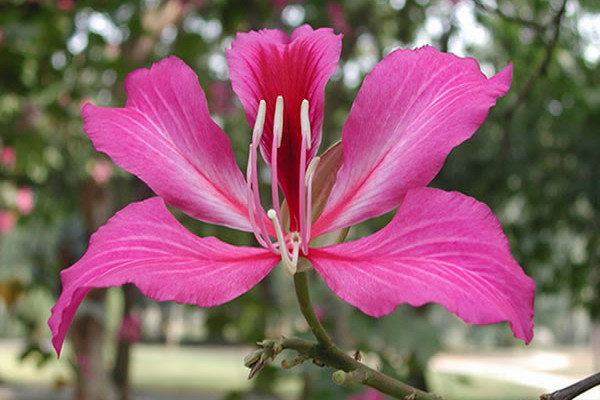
(144, 244)
(441, 247)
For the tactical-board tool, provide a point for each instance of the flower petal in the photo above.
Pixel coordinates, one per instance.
(441, 247)
(412, 110)
(144, 244)
(166, 137)
(267, 64)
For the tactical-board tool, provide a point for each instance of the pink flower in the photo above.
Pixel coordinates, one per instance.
(66, 5)
(369, 394)
(337, 16)
(8, 156)
(222, 98)
(25, 200)
(130, 330)
(412, 109)
(8, 220)
(101, 171)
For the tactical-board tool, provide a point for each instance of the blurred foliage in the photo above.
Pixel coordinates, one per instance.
(535, 161)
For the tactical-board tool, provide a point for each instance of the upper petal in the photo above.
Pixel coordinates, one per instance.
(144, 244)
(166, 137)
(411, 111)
(267, 64)
(440, 247)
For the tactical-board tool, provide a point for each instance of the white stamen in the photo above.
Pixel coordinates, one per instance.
(255, 209)
(251, 205)
(285, 257)
(277, 135)
(259, 122)
(310, 170)
(278, 121)
(296, 242)
(308, 180)
(305, 123)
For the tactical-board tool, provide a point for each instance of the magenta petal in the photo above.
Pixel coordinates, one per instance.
(267, 63)
(441, 247)
(166, 137)
(412, 110)
(144, 244)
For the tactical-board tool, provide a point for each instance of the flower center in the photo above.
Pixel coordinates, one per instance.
(287, 244)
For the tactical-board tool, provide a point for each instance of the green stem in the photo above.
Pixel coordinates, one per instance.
(358, 373)
(306, 307)
(326, 353)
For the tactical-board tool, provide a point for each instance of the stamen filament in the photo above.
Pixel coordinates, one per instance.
(285, 257)
(310, 172)
(251, 203)
(302, 187)
(254, 206)
(277, 135)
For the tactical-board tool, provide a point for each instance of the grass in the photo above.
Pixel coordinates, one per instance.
(216, 370)
(464, 387)
(154, 368)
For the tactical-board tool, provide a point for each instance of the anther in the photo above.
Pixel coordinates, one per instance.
(278, 121)
(305, 123)
(310, 170)
(259, 122)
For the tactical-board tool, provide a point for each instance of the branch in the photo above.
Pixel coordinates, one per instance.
(538, 74)
(543, 67)
(325, 353)
(349, 371)
(574, 390)
(510, 18)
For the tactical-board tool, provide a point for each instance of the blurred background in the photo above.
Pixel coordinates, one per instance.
(535, 161)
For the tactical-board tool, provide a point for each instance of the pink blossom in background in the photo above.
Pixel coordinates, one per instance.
(413, 108)
(319, 313)
(101, 171)
(8, 220)
(8, 156)
(279, 4)
(337, 16)
(131, 328)
(222, 98)
(369, 394)
(66, 5)
(85, 366)
(64, 100)
(25, 200)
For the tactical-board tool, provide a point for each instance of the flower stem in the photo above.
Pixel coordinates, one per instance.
(306, 307)
(350, 371)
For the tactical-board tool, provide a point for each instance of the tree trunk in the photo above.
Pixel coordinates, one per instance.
(87, 330)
